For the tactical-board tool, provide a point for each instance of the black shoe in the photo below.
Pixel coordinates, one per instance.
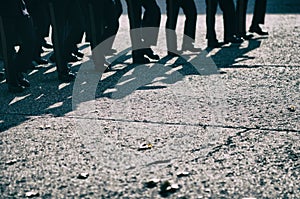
(214, 44)
(258, 30)
(247, 37)
(140, 60)
(78, 54)
(149, 53)
(47, 45)
(234, 40)
(174, 53)
(15, 88)
(41, 61)
(66, 78)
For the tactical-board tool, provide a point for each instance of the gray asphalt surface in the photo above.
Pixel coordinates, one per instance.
(164, 129)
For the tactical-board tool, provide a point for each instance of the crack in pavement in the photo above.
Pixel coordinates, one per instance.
(204, 126)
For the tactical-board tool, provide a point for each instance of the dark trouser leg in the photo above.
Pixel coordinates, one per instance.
(227, 6)
(15, 65)
(58, 20)
(111, 19)
(135, 21)
(211, 10)
(241, 12)
(189, 9)
(151, 18)
(172, 16)
(75, 31)
(7, 41)
(26, 51)
(260, 8)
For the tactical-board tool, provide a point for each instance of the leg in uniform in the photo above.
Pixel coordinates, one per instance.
(16, 26)
(142, 40)
(60, 30)
(229, 18)
(189, 9)
(260, 8)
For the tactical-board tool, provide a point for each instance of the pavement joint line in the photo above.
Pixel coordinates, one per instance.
(204, 126)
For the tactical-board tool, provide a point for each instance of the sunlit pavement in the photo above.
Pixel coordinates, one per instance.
(164, 129)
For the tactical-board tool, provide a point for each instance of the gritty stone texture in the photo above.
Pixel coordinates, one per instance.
(230, 134)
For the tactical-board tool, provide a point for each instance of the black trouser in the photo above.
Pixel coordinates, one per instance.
(17, 30)
(241, 12)
(39, 12)
(112, 13)
(260, 8)
(151, 18)
(258, 15)
(102, 20)
(61, 35)
(189, 9)
(75, 23)
(227, 7)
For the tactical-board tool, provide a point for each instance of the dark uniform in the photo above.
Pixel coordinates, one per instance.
(142, 40)
(101, 25)
(16, 28)
(258, 17)
(39, 13)
(61, 36)
(228, 9)
(189, 9)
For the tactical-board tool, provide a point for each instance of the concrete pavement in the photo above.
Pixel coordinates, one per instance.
(231, 134)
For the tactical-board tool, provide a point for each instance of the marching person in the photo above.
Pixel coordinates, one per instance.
(16, 28)
(189, 9)
(228, 9)
(142, 40)
(258, 18)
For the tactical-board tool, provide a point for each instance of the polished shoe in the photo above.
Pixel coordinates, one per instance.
(257, 30)
(68, 77)
(234, 40)
(140, 60)
(214, 44)
(149, 53)
(78, 54)
(246, 37)
(41, 61)
(15, 88)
